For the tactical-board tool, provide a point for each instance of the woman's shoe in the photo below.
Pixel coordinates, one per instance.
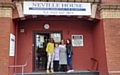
(69, 71)
(52, 71)
(47, 71)
(72, 70)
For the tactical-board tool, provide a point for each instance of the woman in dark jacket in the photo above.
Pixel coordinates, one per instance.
(69, 54)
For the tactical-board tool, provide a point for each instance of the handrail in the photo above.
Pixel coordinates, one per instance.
(22, 66)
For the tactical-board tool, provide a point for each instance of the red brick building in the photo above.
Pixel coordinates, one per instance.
(101, 35)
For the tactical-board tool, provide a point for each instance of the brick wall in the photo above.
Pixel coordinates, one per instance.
(110, 13)
(114, 74)
(99, 48)
(12, 58)
(4, 45)
(5, 29)
(112, 42)
(5, 12)
(5, 0)
(110, 1)
(111, 22)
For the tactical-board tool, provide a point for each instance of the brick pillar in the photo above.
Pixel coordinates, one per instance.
(110, 1)
(111, 22)
(5, 22)
(5, 0)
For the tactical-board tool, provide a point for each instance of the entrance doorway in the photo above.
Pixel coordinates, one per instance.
(40, 43)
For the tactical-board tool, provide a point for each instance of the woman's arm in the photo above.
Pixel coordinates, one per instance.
(70, 49)
(47, 48)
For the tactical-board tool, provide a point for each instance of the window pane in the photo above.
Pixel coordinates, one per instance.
(56, 37)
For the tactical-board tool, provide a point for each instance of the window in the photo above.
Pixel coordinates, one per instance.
(56, 37)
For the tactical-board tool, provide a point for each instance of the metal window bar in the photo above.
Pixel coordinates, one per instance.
(22, 66)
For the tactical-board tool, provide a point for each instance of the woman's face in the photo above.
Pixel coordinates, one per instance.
(51, 40)
(68, 41)
(62, 41)
(56, 45)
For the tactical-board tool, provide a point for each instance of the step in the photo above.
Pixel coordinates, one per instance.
(63, 73)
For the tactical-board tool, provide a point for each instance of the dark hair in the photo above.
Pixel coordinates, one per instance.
(56, 43)
(67, 44)
(68, 40)
(52, 40)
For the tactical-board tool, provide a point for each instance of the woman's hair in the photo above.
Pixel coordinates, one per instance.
(68, 40)
(52, 40)
(56, 43)
(67, 44)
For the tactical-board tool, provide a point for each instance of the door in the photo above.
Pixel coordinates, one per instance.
(41, 40)
(40, 43)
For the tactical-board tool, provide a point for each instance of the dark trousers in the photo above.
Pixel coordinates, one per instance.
(69, 61)
(38, 61)
(56, 65)
(63, 68)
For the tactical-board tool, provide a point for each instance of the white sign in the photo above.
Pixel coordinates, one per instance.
(77, 40)
(39, 41)
(56, 8)
(12, 45)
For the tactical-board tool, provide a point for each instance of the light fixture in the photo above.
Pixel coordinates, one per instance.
(22, 30)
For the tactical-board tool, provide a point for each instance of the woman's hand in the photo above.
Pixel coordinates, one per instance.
(69, 55)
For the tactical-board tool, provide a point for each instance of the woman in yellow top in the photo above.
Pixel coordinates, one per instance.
(50, 54)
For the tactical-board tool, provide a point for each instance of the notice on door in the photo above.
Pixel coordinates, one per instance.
(77, 40)
(12, 45)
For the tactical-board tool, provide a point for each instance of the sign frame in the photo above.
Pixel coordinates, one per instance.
(77, 40)
(56, 8)
(12, 45)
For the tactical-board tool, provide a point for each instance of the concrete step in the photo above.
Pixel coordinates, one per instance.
(63, 73)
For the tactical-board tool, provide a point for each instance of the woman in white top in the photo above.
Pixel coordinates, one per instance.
(63, 56)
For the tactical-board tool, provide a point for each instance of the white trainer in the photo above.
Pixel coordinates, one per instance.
(69, 71)
(72, 70)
